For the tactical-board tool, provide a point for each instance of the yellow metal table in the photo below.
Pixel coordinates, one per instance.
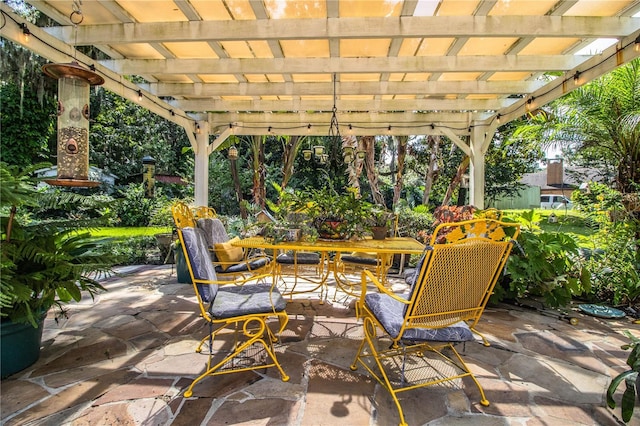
(382, 248)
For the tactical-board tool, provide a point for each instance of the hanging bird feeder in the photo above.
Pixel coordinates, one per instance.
(74, 83)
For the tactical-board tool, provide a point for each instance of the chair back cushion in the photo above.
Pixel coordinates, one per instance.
(214, 232)
(196, 251)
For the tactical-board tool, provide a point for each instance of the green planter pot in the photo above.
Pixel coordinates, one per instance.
(182, 270)
(19, 345)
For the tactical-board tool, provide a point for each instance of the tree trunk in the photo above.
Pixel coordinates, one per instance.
(355, 167)
(372, 174)
(433, 142)
(291, 147)
(462, 168)
(236, 185)
(402, 152)
(259, 190)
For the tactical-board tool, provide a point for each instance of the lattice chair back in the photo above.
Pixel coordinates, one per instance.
(201, 212)
(455, 282)
(182, 216)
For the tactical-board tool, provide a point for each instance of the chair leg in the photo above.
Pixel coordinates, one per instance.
(485, 342)
(369, 337)
(483, 399)
(254, 335)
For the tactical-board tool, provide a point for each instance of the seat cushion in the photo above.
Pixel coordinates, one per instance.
(245, 266)
(359, 260)
(299, 258)
(390, 314)
(226, 253)
(232, 301)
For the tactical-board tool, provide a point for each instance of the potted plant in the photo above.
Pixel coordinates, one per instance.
(380, 222)
(43, 264)
(630, 378)
(338, 216)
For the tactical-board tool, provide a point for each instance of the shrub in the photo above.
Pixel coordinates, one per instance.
(615, 266)
(416, 223)
(134, 209)
(544, 264)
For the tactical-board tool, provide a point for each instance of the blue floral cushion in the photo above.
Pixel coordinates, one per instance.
(390, 313)
(232, 301)
(244, 266)
(195, 249)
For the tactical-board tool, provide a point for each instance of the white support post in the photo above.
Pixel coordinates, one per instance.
(477, 181)
(201, 179)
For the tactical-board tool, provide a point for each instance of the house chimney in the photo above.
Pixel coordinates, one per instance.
(555, 174)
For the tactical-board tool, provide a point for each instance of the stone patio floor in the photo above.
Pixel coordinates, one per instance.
(126, 358)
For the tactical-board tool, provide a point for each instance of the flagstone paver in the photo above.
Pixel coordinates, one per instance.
(127, 358)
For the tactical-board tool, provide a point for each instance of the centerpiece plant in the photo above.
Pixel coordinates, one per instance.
(380, 221)
(338, 216)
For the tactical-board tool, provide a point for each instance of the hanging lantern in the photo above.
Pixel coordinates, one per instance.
(74, 83)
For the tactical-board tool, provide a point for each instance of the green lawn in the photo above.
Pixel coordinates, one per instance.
(121, 233)
(569, 221)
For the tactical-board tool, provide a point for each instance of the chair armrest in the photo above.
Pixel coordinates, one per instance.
(367, 275)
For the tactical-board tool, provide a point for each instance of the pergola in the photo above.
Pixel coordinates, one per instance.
(458, 68)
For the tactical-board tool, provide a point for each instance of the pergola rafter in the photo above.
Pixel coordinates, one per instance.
(402, 67)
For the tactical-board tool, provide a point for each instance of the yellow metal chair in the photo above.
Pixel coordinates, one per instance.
(420, 330)
(355, 263)
(245, 309)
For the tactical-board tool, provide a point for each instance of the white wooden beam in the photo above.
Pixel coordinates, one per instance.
(354, 28)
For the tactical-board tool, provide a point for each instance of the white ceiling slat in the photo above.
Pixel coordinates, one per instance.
(434, 88)
(405, 64)
(365, 123)
(344, 105)
(113, 7)
(351, 28)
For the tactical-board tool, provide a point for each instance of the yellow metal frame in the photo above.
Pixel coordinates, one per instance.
(442, 297)
(384, 261)
(201, 212)
(321, 273)
(182, 215)
(248, 330)
(384, 248)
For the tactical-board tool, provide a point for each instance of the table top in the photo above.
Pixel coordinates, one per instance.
(388, 245)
